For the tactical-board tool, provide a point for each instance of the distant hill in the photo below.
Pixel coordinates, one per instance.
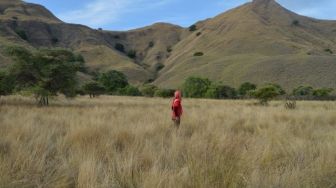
(259, 42)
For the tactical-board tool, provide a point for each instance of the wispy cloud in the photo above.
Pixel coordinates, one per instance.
(103, 12)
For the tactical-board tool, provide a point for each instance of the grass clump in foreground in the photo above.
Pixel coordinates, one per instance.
(129, 142)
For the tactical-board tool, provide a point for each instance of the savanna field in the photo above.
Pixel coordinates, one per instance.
(131, 142)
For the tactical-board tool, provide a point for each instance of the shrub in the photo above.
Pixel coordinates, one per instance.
(198, 34)
(221, 92)
(245, 88)
(100, 29)
(193, 28)
(296, 22)
(6, 83)
(196, 87)
(129, 91)
(164, 93)
(113, 81)
(198, 54)
(148, 90)
(323, 92)
(329, 50)
(120, 47)
(169, 49)
(132, 54)
(159, 66)
(22, 34)
(303, 91)
(151, 44)
(54, 40)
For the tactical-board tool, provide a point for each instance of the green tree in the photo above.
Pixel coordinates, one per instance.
(266, 93)
(303, 91)
(129, 91)
(113, 81)
(45, 72)
(196, 87)
(6, 83)
(93, 89)
(164, 93)
(148, 90)
(245, 88)
(216, 91)
(323, 92)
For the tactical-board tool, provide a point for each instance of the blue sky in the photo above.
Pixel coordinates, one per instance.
(130, 14)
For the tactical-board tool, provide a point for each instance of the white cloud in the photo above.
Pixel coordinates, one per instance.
(103, 12)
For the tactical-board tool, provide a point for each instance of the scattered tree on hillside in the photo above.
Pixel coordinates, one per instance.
(198, 54)
(132, 54)
(196, 87)
(45, 72)
(120, 47)
(22, 34)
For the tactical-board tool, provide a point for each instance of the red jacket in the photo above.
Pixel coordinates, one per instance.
(177, 105)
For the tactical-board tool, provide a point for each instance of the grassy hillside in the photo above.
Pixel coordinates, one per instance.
(259, 41)
(92, 143)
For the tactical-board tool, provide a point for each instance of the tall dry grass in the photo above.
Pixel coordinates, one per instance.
(131, 142)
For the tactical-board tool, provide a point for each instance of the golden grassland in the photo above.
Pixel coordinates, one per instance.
(131, 142)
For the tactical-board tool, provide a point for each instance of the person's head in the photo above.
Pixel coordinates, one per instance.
(178, 94)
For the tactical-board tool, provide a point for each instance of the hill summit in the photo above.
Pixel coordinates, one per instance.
(260, 42)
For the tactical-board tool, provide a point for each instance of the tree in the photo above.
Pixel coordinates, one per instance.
(45, 72)
(129, 91)
(6, 83)
(164, 93)
(303, 91)
(93, 89)
(148, 90)
(113, 80)
(193, 28)
(196, 87)
(245, 88)
(323, 92)
(216, 91)
(266, 93)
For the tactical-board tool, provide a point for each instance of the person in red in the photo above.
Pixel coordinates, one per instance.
(177, 109)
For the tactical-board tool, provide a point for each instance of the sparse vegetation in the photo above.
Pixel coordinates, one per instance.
(198, 54)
